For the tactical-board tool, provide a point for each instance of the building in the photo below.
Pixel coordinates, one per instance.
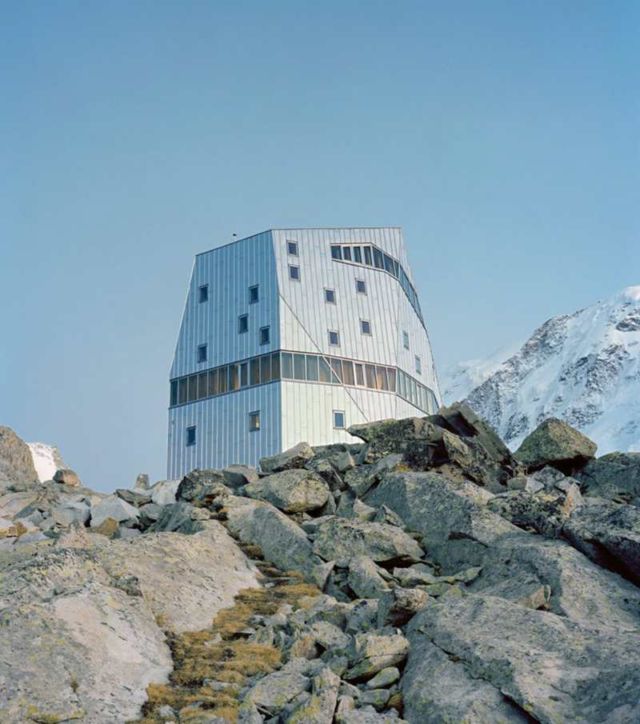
(291, 335)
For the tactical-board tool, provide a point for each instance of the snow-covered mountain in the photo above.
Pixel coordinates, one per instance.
(46, 460)
(583, 368)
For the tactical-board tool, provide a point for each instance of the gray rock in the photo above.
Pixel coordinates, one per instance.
(615, 476)
(274, 691)
(71, 512)
(199, 486)
(295, 457)
(374, 652)
(367, 715)
(556, 443)
(340, 539)
(365, 579)
(150, 513)
(399, 605)
(320, 707)
(384, 678)
(164, 492)
(293, 491)
(177, 518)
(552, 668)
(363, 616)
(114, 508)
(375, 697)
(361, 479)
(134, 497)
(236, 476)
(65, 476)
(16, 461)
(142, 483)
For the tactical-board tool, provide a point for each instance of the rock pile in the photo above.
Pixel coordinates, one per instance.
(426, 574)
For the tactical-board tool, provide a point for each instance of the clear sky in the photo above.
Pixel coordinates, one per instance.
(502, 136)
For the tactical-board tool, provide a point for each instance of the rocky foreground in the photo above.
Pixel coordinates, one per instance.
(425, 575)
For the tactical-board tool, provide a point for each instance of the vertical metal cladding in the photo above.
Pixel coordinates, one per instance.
(292, 303)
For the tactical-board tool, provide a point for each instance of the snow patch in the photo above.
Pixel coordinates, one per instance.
(46, 460)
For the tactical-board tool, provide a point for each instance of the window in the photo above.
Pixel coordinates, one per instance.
(294, 272)
(203, 293)
(202, 353)
(292, 248)
(378, 258)
(330, 296)
(418, 365)
(338, 419)
(367, 256)
(254, 294)
(357, 254)
(359, 374)
(265, 336)
(243, 323)
(191, 436)
(286, 363)
(361, 286)
(365, 326)
(405, 339)
(312, 368)
(336, 252)
(299, 367)
(388, 263)
(334, 338)
(254, 421)
(347, 372)
(346, 253)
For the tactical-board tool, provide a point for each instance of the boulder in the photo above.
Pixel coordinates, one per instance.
(164, 492)
(556, 443)
(384, 678)
(320, 707)
(274, 691)
(71, 512)
(399, 605)
(365, 578)
(340, 539)
(374, 652)
(236, 476)
(199, 486)
(295, 457)
(115, 508)
(500, 654)
(134, 497)
(615, 476)
(66, 476)
(176, 517)
(293, 491)
(16, 461)
(142, 482)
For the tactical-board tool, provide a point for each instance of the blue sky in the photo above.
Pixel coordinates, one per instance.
(502, 136)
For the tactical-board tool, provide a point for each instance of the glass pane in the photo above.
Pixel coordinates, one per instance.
(359, 374)
(265, 368)
(367, 255)
(388, 263)
(275, 366)
(370, 371)
(193, 388)
(202, 384)
(254, 373)
(213, 382)
(396, 268)
(336, 366)
(244, 374)
(381, 378)
(357, 254)
(234, 378)
(312, 368)
(324, 370)
(182, 391)
(347, 372)
(286, 363)
(173, 395)
(223, 379)
(336, 253)
(346, 253)
(391, 378)
(298, 367)
(378, 259)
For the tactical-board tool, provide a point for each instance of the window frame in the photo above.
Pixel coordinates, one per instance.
(418, 364)
(243, 318)
(202, 353)
(255, 423)
(203, 293)
(405, 339)
(254, 289)
(293, 277)
(190, 439)
(366, 322)
(292, 245)
(333, 292)
(362, 282)
(334, 415)
(337, 334)
(261, 335)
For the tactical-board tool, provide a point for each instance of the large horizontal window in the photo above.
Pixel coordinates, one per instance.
(301, 367)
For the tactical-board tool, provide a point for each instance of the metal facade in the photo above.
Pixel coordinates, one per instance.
(299, 320)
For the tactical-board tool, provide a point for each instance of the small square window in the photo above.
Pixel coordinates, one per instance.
(191, 436)
(361, 286)
(365, 326)
(243, 323)
(330, 296)
(418, 365)
(336, 252)
(254, 294)
(292, 248)
(334, 338)
(254, 421)
(405, 339)
(203, 293)
(202, 353)
(338, 419)
(265, 335)
(294, 272)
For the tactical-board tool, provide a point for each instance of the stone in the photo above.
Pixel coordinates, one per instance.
(142, 482)
(292, 491)
(415, 575)
(361, 479)
(199, 486)
(237, 476)
(500, 654)
(386, 515)
(375, 697)
(71, 512)
(364, 578)
(296, 457)
(114, 508)
(363, 616)
(274, 691)
(16, 461)
(150, 513)
(320, 707)
(556, 443)
(177, 517)
(384, 678)
(399, 605)
(108, 527)
(374, 652)
(328, 635)
(134, 497)
(11, 529)
(164, 492)
(615, 476)
(65, 476)
(340, 539)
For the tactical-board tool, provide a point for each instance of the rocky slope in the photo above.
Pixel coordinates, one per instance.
(583, 368)
(426, 574)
